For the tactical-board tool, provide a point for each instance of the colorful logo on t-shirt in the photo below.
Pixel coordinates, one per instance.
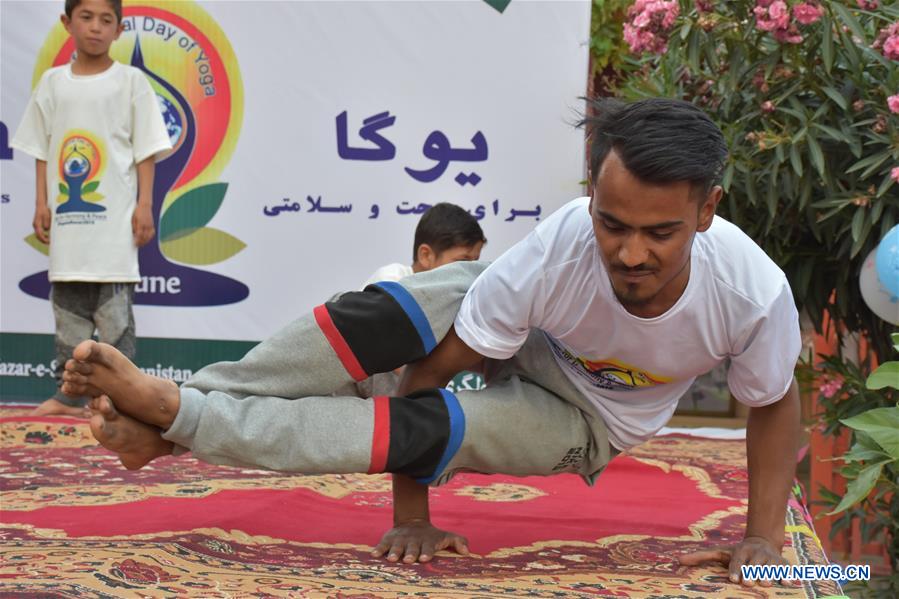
(607, 373)
(193, 70)
(80, 165)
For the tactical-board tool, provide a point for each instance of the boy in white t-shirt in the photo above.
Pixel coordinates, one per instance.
(588, 330)
(98, 125)
(445, 233)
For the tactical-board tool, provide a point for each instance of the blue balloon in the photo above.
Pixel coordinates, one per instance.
(887, 261)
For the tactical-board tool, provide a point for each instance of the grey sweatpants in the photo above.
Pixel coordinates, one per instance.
(81, 307)
(272, 409)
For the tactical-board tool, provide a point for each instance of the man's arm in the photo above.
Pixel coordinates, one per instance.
(772, 441)
(142, 221)
(771, 444)
(412, 537)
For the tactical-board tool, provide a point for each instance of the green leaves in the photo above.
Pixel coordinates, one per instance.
(796, 160)
(850, 21)
(183, 234)
(202, 246)
(836, 96)
(816, 154)
(858, 489)
(37, 244)
(882, 425)
(877, 445)
(191, 211)
(886, 375)
(827, 44)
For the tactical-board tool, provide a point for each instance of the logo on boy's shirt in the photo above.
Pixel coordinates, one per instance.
(607, 373)
(192, 68)
(81, 162)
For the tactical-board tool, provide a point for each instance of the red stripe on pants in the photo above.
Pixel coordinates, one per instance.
(338, 343)
(380, 439)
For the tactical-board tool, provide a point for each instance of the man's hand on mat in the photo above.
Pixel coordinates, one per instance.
(751, 551)
(418, 541)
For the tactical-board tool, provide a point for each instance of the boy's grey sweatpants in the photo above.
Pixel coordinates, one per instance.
(272, 409)
(81, 307)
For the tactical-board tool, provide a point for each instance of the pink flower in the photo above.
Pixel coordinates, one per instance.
(773, 16)
(648, 25)
(888, 41)
(891, 47)
(894, 174)
(867, 4)
(768, 106)
(779, 13)
(789, 36)
(893, 103)
(704, 5)
(830, 387)
(807, 13)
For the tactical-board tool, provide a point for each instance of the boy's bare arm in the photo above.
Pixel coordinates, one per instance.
(42, 216)
(413, 537)
(142, 222)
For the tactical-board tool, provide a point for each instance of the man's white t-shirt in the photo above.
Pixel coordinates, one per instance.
(390, 272)
(92, 131)
(737, 305)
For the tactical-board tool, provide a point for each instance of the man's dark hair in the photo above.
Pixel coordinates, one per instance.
(659, 140)
(444, 226)
(116, 5)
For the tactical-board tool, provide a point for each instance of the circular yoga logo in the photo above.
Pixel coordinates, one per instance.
(192, 68)
(80, 166)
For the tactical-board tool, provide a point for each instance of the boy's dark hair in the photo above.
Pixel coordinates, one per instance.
(659, 140)
(116, 5)
(444, 226)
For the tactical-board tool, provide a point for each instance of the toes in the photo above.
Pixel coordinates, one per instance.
(74, 377)
(79, 389)
(79, 367)
(87, 351)
(72, 390)
(106, 407)
(98, 429)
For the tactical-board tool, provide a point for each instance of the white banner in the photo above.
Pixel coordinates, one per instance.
(310, 136)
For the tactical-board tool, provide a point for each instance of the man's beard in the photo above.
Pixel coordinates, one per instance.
(632, 297)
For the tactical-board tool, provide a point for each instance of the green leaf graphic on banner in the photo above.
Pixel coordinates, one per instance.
(202, 246)
(63, 189)
(191, 211)
(499, 5)
(92, 186)
(37, 244)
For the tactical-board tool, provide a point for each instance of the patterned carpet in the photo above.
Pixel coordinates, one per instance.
(73, 523)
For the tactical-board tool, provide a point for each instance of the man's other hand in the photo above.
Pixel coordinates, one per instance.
(750, 551)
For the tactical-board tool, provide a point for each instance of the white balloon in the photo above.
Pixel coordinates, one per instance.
(878, 299)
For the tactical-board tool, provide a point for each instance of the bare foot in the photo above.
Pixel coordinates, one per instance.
(54, 407)
(98, 368)
(135, 443)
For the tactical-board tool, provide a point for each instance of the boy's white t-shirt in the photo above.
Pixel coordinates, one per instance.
(389, 272)
(92, 131)
(737, 305)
